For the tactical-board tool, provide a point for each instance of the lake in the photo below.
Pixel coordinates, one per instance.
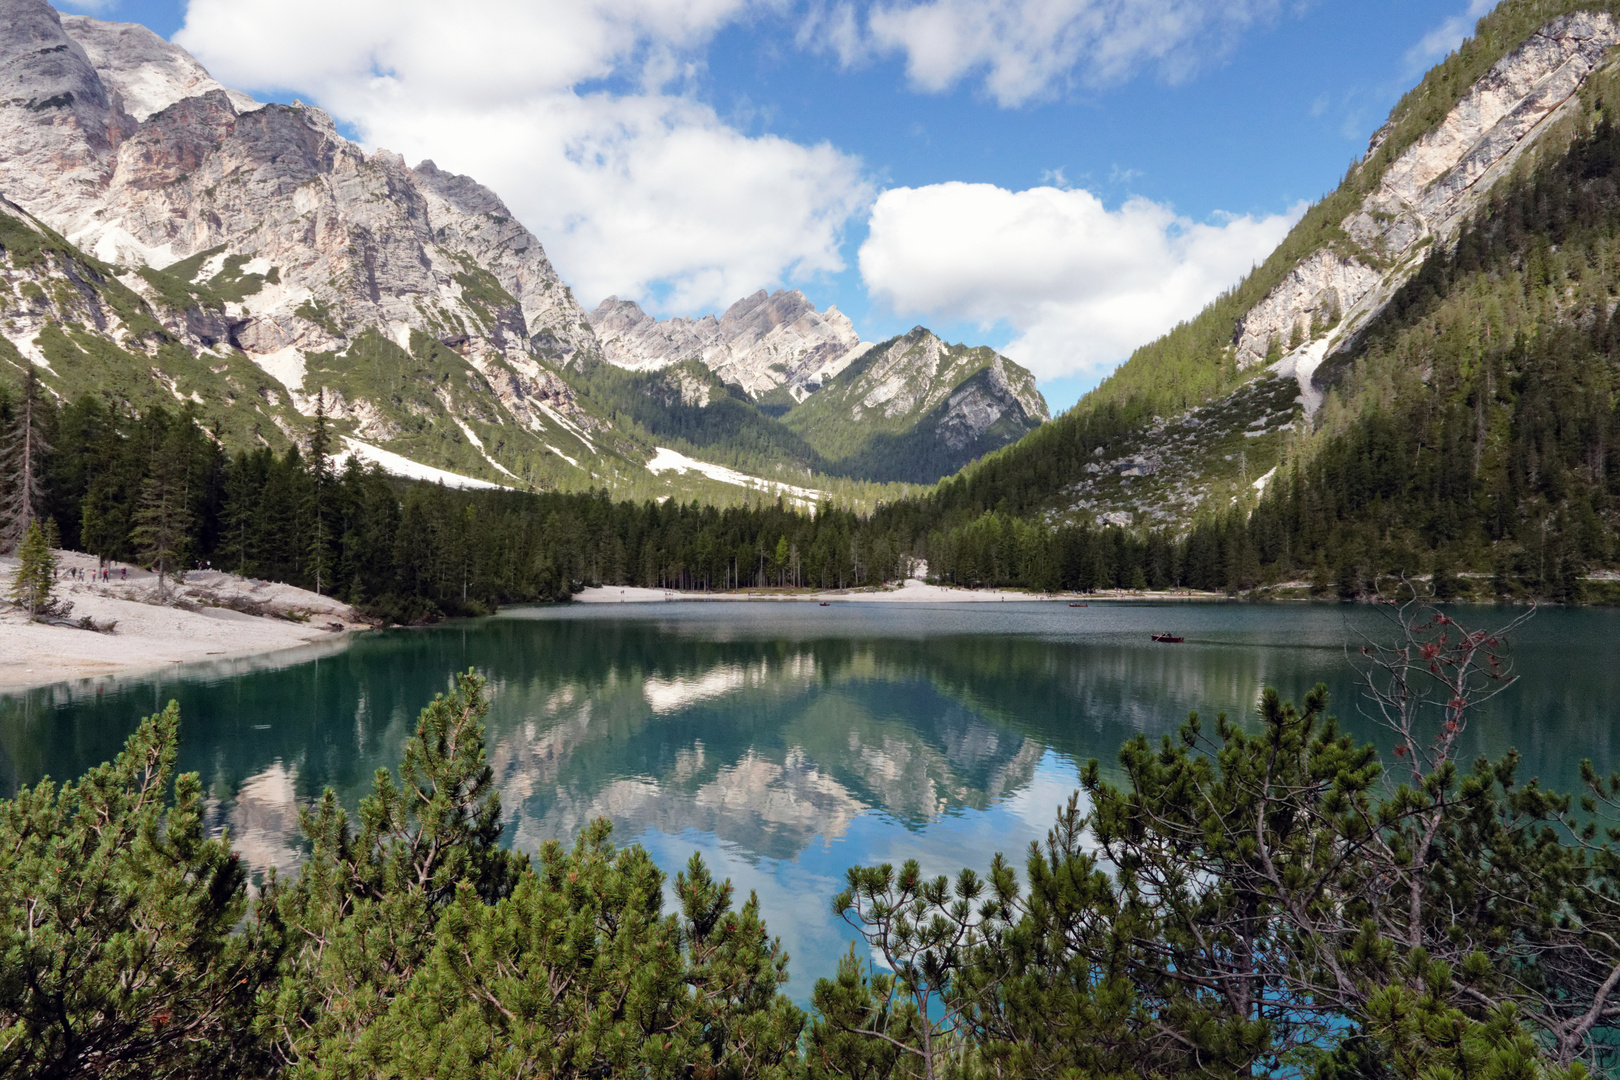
(788, 741)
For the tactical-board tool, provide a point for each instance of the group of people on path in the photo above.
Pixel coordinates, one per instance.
(77, 573)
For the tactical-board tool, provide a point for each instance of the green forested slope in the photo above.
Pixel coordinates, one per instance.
(1478, 425)
(1193, 363)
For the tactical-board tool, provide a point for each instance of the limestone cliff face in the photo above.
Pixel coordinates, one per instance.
(762, 342)
(915, 374)
(285, 240)
(924, 406)
(58, 124)
(1425, 194)
(147, 73)
(200, 245)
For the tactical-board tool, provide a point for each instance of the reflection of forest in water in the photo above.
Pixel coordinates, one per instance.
(772, 735)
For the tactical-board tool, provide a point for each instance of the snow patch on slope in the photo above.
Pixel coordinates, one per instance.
(667, 460)
(472, 437)
(399, 465)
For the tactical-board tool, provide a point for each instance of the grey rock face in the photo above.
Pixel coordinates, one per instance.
(914, 374)
(467, 216)
(370, 240)
(636, 341)
(146, 72)
(57, 123)
(1429, 190)
(762, 342)
(123, 142)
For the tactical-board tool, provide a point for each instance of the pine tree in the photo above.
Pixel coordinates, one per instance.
(127, 950)
(36, 572)
(163, 520)
(320, 491)
(22, 464)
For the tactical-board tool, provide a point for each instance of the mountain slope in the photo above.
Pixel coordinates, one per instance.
(406, 302)
(774, 346)
(1197, 421)
(915, 408)
(409, 300)
(912, 409)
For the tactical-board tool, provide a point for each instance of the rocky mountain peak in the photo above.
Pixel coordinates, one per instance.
(763, 343)
(57, 123)
(146, 72)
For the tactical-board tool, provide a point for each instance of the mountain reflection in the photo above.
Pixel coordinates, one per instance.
(767, 750)
(776, 731)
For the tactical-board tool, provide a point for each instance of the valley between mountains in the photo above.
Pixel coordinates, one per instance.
(1421, 379)
(171, 240)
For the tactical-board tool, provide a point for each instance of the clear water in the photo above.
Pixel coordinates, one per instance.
(788, 741)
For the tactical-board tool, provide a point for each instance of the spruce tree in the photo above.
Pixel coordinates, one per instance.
(36, 572)
(22, 464)
(163, 519)
(318, 508)
(103, 520)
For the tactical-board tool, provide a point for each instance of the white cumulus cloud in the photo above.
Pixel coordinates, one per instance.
(637, 190)
(1029, 49)
(1080, 285)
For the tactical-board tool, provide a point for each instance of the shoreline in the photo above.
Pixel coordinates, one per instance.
(225, 619)
(212, 616)
(912, 591)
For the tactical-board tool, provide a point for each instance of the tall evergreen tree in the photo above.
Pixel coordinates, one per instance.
(163, 519)
(318, 507)
(36, 572)
(22, 463)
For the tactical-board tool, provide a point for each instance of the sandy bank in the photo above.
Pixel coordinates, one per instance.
(912, 592)
(213, 615)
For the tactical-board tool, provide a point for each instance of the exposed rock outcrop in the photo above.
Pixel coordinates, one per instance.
(1425, 194)
(916, 408)
(914, 374)
(762, 342)
(147, 73)
(58, 125)
(285, 239)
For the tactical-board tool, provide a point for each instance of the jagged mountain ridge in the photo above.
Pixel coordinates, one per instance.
(408, 300)
(909, 408)
(1202, 418)
(258, 230)
(767, 343)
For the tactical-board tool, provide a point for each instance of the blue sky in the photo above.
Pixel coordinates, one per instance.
(1061, 179)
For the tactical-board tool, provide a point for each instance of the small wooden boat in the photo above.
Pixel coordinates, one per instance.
(1168, 639)
(1078, 605)
(825, 604)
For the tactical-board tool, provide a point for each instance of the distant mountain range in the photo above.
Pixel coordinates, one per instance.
(169, 240)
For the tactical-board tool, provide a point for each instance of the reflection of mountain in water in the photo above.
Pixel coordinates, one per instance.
(769, 737)
(765, 749)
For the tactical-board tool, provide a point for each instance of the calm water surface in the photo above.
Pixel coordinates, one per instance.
(787, 741)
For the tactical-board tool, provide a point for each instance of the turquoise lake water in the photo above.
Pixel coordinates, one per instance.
(788, 741)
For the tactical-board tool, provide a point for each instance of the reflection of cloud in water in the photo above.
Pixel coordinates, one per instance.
(672, 694)
(263, 819)
(668, 695)
(794, 894)
(969, 839)
(1051, 782)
